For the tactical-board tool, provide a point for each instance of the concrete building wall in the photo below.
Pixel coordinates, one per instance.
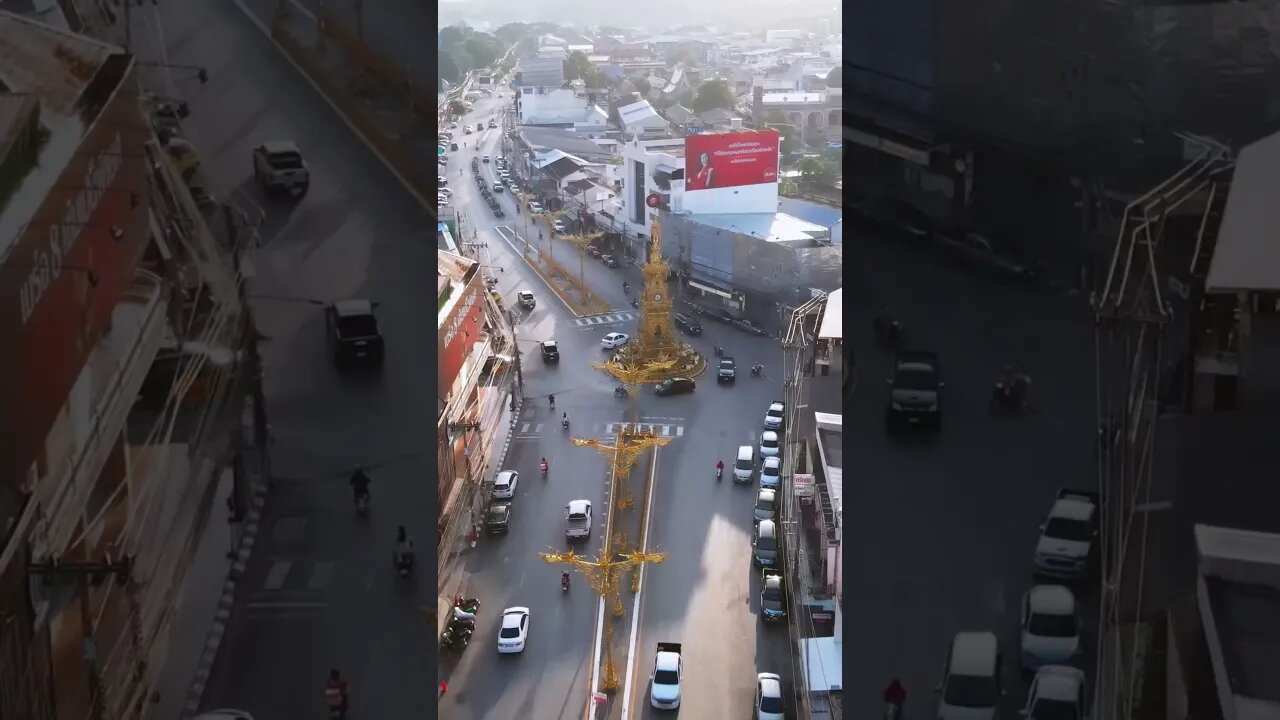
(62, 278)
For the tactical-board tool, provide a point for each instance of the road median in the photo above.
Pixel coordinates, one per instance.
(381, 110)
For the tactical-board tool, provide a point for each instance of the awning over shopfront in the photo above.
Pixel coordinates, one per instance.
(710, 289)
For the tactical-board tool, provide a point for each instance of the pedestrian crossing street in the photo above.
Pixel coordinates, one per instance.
(611, 318)
(533, 430)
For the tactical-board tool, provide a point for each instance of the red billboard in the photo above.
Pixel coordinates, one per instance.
(723, 160)
(459, 333)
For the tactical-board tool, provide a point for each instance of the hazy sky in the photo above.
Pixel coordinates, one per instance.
(655, 14)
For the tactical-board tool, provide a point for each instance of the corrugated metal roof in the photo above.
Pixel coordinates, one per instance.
(1247, 256)
(52, 64)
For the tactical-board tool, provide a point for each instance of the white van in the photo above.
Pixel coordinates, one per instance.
(745, 465)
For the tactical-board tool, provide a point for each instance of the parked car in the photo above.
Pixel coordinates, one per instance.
(970, 688)
(674, 386)
(1050, 627)
(769, 444)
(1057, 693)
(498, 518)
(685, 323)
(504, 484)
(770, 472)
(894, 217)
(975, 252)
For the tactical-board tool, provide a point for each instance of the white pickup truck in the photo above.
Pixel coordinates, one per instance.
(577, 519)
(279, 167)
(668, 671)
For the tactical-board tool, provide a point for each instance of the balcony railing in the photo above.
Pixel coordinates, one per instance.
(120, 362)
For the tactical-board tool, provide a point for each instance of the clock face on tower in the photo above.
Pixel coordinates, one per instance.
(657, 297)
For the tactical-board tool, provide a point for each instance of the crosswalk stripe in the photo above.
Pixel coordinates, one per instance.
(666, 430)
(524, 428)
(320, 575)
(679, 431)
(277, 574)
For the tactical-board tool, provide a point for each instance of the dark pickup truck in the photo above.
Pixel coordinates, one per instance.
(354, 337)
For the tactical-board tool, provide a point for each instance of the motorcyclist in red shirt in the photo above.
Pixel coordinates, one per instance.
(335, 694)
(895, 695)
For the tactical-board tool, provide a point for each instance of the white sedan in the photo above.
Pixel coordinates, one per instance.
(768, 696)
(514, 631)
(445, 192)
(614, 340)
(769, 446)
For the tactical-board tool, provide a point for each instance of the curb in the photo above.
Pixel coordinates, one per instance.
(538, 271)
(218, 628)
(262, 27)
(502, 456)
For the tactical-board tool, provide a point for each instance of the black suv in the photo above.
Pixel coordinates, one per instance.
(687, 324)
(354, 337)
(915, 390)
(550, 352)
(728, 370)
(674, 386)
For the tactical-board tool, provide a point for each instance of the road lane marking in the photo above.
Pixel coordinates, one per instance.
(277, 574)
(321, 572)
(680, 431)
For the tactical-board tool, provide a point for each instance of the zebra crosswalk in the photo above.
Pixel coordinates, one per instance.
(533, 430)
(658, 428)
(611, 318)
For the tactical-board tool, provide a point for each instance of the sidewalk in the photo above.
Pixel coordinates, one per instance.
(203, 606)
(452, 579)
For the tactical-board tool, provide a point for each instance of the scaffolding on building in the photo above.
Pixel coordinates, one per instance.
(798, 343)
(1133, 314)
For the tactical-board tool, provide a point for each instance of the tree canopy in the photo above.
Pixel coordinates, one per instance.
(817, 170)
(577, 66)
(790, 141)
(713, 94)
(462, 49)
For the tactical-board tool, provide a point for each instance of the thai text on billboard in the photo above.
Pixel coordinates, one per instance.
(723, 160)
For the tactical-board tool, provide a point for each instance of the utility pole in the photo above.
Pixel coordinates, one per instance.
(128, 25)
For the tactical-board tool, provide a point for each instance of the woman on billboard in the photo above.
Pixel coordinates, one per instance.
(701, 180)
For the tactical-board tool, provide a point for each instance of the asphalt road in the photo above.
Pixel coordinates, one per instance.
(941, 531)
(707, 586)
(402, 31)
(706, 594)
(550, 678)
(319, 591)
